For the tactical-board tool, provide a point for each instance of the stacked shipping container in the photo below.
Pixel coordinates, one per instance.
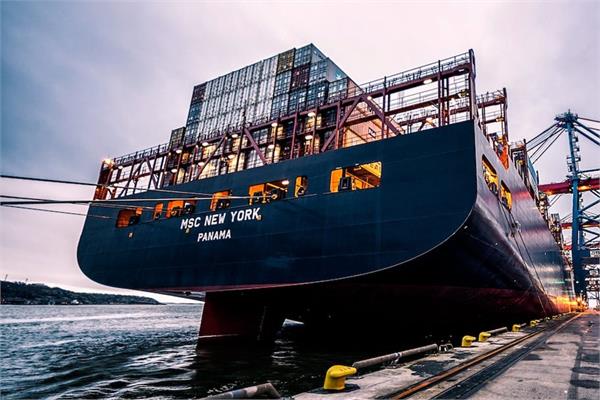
(292, 81)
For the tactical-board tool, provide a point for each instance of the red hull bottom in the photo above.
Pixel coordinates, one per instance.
(369, 310)
(238, 315)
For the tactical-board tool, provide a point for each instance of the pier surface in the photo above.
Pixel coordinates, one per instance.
(559, 359)
(566, 365)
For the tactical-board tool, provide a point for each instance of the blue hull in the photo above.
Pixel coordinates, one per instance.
(431, 235)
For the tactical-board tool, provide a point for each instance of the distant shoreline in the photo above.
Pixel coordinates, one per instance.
(21, 293)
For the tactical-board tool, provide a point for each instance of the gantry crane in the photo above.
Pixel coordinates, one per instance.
(584, 224)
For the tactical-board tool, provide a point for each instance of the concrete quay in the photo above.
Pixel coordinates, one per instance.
(555, 359)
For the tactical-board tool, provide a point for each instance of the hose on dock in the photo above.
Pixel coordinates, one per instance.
(394, 356)
(264, 390)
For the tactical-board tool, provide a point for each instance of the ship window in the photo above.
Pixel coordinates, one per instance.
(356, 177)
(158, 209)
(490, 176)
(268, 191)
(301, 186)
(505, 196)
(189, 206)
(220, 200)
(128, 217)
(174, 208)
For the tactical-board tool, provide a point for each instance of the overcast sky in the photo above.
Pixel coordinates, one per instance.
(83, 81)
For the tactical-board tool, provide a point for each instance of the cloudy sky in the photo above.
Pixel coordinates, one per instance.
(82, 81)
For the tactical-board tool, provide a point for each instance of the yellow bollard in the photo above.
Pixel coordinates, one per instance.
(533, 323)
(516, 328)
(335, 378)
(483, 336)
(467, 341)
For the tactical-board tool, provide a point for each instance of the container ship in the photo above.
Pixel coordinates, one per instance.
(293, 192)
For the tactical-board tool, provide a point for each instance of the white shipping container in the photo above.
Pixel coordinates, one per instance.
(200, 129)
(257, 71)
(247, 76)
(224, 102)
(209, 90)
(253, 94)
(207, 108)
(269, 68)
(245, 95)
(228, 85)
(227, 118)
(220, 85)
(263, 109)
(265, 90)
(250, 113)
(237, 99)
(235, 77)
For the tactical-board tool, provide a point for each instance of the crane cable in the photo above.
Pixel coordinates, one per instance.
(102, 202)
(59, 212)
(67, 182)
(38, 200)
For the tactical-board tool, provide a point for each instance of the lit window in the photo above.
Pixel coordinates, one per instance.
(220, 200)
(505, 196)
(301, 186)
(356, 177)
(189, 206)
(490, 176)
(158, 208)
(268, 191)
(128, 217)
(174, 208)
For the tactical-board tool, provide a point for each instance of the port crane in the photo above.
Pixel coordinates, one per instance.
(584, 224)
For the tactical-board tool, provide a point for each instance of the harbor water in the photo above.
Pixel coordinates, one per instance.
(74, 352)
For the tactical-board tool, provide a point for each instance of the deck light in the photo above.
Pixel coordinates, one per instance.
(120, 167)
(311, 114)
(108, 161)
(174, 170)
(427, 81)
(231, 156)
(308, 137)
(204, 144)
(234, 135)
(178, 151)
(285, 182)
(201, 163)
(429, 119)
(271, 146)
(369, 97)
(274, 124)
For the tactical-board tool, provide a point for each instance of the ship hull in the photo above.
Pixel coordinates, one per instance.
(431, 240)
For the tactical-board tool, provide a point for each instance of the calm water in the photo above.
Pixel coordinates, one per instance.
(146, 352)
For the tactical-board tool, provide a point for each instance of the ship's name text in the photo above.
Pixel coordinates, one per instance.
(252, 214)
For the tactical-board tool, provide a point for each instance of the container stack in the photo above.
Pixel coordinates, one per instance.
(295, 80)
